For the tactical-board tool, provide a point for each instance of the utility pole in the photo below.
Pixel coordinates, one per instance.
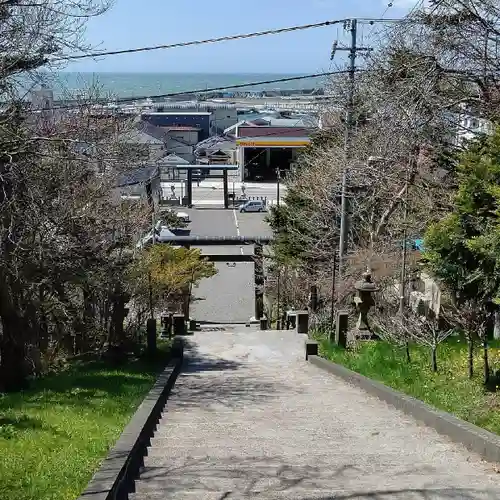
(404, 252)
(278, 298)
(402, 285)
(150, 284)
(344, 208)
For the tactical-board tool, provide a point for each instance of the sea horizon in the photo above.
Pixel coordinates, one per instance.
(142, 84)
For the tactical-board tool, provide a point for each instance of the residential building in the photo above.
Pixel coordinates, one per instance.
(144, 143)
(202, 120)
(140, 184)
(470, 127)
(213, 148)
(169, 170)
(181, 141)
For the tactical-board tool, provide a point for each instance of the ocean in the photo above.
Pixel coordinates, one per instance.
(150, 84)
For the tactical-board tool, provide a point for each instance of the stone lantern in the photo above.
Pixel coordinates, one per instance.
(364, 301)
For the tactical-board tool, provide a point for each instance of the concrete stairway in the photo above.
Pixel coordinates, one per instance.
(249, 418)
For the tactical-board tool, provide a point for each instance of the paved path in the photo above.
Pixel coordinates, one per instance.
(211, 192)
(249, 418)
(229, 296)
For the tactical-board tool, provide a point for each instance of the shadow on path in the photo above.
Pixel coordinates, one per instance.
(268, 477)
(208, 380)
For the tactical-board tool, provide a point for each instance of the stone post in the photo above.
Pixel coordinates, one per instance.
(313, 298)
(259, 281)
(341, 328)
(189, 188)
(226, 189)
(302, 322)
(179, 324)
(151, 336)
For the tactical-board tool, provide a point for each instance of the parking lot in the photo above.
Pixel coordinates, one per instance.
(227, 297)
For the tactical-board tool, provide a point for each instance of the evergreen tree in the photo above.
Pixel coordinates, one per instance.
(463, 249)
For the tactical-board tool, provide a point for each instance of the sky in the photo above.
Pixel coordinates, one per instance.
(153, 22)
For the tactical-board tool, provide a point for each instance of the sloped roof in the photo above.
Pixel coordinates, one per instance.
(137, 176)
(221, 143)
(144, 133)
(173, 159)
(302, 121)
(242, 123)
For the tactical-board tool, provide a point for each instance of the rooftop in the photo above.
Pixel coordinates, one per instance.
(137, 176)
(300, 121)
(215, 142)
(172, 159)
(181, 129)
(174, 113)
(273, 140)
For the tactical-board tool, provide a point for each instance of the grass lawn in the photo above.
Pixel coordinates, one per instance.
(54, 436)
(450, 389)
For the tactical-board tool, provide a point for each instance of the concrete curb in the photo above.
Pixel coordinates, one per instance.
(475, 439)
(115, 478)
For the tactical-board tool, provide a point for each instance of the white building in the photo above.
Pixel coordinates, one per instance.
(471, 127)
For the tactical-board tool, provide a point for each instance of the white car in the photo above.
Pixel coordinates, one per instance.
(253, 206)
(183, 216)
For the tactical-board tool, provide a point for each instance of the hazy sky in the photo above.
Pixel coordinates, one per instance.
(153, 22)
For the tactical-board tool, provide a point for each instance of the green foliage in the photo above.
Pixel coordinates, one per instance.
(463, 249)
(169, 271)
(54, 436)
(450, 389)
(292, 228)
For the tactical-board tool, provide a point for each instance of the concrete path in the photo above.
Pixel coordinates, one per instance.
(229, 296)
(249, 418)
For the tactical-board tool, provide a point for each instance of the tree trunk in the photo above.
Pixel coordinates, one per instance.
(407, 349)
(470, 356)
(13, 374)
(486, 360)
(116, 332)
(434, 359)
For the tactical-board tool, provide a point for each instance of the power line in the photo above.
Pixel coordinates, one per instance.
(212, 89)
(254, 34)
(227, 38)
(389, 5)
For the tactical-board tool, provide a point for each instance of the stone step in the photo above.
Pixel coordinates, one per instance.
(256, 484)
(179, 495)
(253, 477)
(287, 494)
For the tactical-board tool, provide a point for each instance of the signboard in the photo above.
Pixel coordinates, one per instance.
(267, 144)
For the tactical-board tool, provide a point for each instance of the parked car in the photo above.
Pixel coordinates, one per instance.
(183, 216)
(253, 206)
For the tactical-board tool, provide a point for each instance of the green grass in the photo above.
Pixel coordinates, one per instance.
(54, 436)
(450, 389)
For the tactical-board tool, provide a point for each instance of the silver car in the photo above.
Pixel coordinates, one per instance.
(253, 206)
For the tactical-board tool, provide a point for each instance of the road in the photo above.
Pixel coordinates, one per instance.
(227, 297)
(249, 418)
(211, 193)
